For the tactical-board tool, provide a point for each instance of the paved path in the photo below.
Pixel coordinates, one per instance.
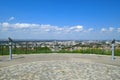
(59, 67)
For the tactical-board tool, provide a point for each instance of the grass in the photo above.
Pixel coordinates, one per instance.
(5, 51)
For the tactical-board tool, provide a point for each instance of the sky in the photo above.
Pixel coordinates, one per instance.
(60, 19)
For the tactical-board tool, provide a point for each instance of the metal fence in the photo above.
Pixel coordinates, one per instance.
(35, 47)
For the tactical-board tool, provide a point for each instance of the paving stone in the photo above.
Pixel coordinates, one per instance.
(60, 70)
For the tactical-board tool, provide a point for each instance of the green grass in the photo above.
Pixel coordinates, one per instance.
(93, 51)
(32, 51)
(5, 51)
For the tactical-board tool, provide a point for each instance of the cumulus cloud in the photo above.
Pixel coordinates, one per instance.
(90, 29)
(118, 30)
(77, 28)
(103, 30)
(59, 29)
(47, 30)
(111, 29)
(18, 25)
(24, 25)
(11, 18)
(5, 26)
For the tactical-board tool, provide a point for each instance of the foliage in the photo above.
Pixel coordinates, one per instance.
(4, 50)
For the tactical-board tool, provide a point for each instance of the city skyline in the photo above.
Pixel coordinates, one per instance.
(60, 19)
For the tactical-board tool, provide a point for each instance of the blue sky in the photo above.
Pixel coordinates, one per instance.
(60, 19)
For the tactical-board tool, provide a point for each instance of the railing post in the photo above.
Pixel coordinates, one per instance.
(113, 50)
(2, 49)
(10, 50)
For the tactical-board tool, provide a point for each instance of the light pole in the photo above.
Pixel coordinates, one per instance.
(10, 48)
(113, 49)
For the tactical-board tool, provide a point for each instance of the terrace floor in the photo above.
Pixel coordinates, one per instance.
(59, 67)
(87, 58)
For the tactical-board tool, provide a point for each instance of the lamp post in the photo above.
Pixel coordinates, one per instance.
(113, 49)
(10, 48)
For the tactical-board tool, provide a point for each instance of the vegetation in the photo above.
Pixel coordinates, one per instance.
(4, 50)
(92, 51)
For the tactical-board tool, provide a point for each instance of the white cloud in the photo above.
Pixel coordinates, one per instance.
(5, 24)
(111, 29)
(18, 25)
(59, 29)
(24, 25)
(37, 27)
(77, 28)
(11, 18)
(48, 28)
(41, 27)
(45, 31)
(90, 29)
(118, 29)
(21, 25)
(103, 30)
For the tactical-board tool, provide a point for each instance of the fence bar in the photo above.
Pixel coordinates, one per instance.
(10, 50)
(113, 49)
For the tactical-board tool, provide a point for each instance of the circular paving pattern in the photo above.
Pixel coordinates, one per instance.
(60, 70)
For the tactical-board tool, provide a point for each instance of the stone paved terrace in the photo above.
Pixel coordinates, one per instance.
(59, 67)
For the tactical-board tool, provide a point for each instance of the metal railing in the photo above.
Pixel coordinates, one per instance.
(34, 47)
